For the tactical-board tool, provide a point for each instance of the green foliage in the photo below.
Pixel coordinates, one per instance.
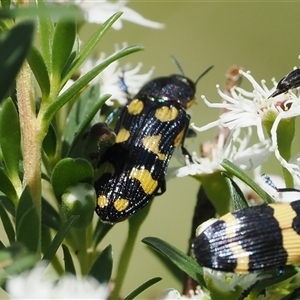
(47, 199)
(14, 46)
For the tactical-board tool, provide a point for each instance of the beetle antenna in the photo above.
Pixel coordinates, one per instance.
(201, 75)
(175, 61)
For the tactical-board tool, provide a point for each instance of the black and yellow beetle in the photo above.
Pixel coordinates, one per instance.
(252, 239)
(149, 128)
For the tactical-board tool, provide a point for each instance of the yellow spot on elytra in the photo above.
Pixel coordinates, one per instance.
(122, 136)
(284, 215)
(148, 184)
(102, 201)
(166, 113)
(179, 137)
(151, 143)
(242, 256)
(135, 107)
(106, 167)
(190, 103)
(121, 204)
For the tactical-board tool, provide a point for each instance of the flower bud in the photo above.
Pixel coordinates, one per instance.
(79, 199)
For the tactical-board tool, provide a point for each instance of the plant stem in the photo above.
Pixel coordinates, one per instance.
(31, 140)
(135, 223)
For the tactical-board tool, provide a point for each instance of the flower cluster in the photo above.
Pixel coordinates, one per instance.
(241, 111)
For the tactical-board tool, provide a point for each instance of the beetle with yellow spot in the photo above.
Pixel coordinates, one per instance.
(148, 129)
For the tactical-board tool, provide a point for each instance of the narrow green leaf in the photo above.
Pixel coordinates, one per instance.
(142, 288)
(100, 232)
(50, 142)
(2, 246)
(25, 203)
(10, 138)
(70, 171)
(84, 80)
(14, 46)
(238, 200)
(58, 239)
(55, 11)
(39, 69)
(91, 107)
(80, 109)
(7, 188)
(5, 4)
(90, 46)
(7, 225)
(180, 259)
(69, 265)
(63, 41)
(46, 238)
(102, 266)
(28, 230)
(45, 29)
(236, 171)
(50, 217)
(8, 205)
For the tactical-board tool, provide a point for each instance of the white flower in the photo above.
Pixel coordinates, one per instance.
(109, 78)
(35, 285)
(235, 149)
(245, 109)
(99, 11)
(230, 281)
(199, 294)
(293, 166)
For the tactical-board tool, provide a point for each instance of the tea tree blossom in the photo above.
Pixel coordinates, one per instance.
(110, 78)
(99, 11)
(236, 148)
(244, 108)
(35, 284)
(199, 294)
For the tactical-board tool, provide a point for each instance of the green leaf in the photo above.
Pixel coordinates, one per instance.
(261, 285)
(45, 29)
(46, 238)
(10, 138)
(50, 217)
(25, 203)
(39, 69)
(142, 288)
(70, 171)
(102, 266)
(63, 41)
(28, 230)
(50, 142)
(5, 4)
(69, 265)
(7, 188)
(238, 200)
(236, 171)
(7, 225)
(58, 239)
(180, 259)
(81, 115)
(8, 205)
(14, 46)
(90, 46)
(100, 232)
(83, 81)
(17, 260)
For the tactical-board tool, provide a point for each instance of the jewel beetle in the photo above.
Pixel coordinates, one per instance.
(252, 239)
(149, 128)
(289, 81)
